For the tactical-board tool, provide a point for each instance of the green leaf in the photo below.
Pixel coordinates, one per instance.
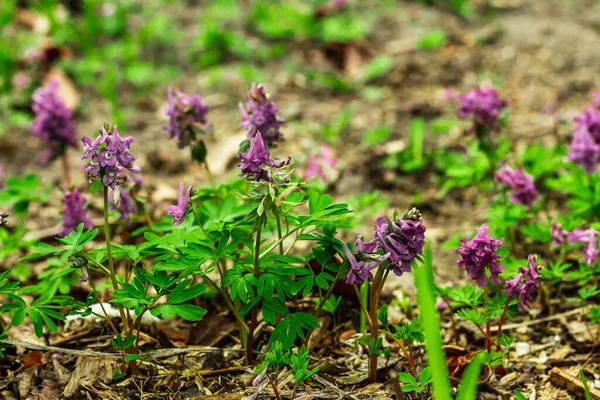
(432, 40)
(96, 186)
(376, 68)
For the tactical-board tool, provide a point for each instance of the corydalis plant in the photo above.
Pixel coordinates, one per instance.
(585, 146)
(257, 164)
(259, 114)
(53, 122)
(400, 242)
(587, 237)
(179, 211)
(484, 106)
(187, 116)
(521, 184)
(479, 254)
(74, 212)
(109, 157)
(318, 164)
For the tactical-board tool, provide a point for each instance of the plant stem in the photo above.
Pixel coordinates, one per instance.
(502, 317)
(276, 243)
(279, 233)
(274, 385)
(363, 307)
(230, 305)
(111, 266)
(65, 167)
(223, 266)
(210, 175)
(373, 325)
(488, 326)
(249, 355)
(364, 296)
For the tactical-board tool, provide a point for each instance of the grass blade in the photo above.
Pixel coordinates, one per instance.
(431, 325)
(468, 384)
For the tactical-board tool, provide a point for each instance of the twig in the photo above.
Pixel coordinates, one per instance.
(161, 353)
(571, 384)
(540, 321)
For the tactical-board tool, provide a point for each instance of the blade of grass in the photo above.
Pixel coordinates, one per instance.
(586, 388)
(431, 325)
(469, 381)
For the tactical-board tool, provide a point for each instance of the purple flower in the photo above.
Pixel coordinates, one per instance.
(588, 237)
(362, 261)
(123, 203)
(590, 119)
(185, 112)
(74, 212)
(403, 238)
(596, 97)
(339, 4)
(109, 157)
(524, 283)
(521, 183)
(317, 164)
(559, 235)
(260, 115)
(584, 151)
(53, 122)
(484, 106)
(183, 200)
(257, 160)
(480, 253)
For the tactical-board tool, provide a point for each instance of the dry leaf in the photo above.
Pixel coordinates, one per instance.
(32, 359)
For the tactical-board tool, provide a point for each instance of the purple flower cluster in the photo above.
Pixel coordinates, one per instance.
(524, 283)
(521, 183)
(256, 162)
(109, 157)
(185, 112)
(183, 200)
(480, 253)
(585, 145)
(53, 122)
(588, 237)
(260, 115)
(484, 106)
(74, 212)
(317, 164)
(402, 238)
(362, 261)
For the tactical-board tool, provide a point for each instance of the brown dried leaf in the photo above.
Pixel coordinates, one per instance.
(32, 359)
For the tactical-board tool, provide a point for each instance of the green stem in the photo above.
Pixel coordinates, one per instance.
(364, 297)
(210, 176)
(488, 324)
(374, 326)
(249, 355)
(276, 243)
(279, 233)
(223, 266)
(111, 266)
(363, 306)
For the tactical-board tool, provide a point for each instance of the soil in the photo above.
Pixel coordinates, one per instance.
(543, 56)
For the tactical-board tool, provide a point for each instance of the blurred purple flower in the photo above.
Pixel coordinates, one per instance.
(521, 183)
(362, 260)
(587, 237)
(109, 157)
(524, 283)
(403, 238)
(596, 97)
(53, 122)
(257, 160)
(186, 113)
(484, 106)
(318, 163)
(480, 253)
(584, 150)
(260, 115)
(183, 200)
(339, 4)
(74, 212)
